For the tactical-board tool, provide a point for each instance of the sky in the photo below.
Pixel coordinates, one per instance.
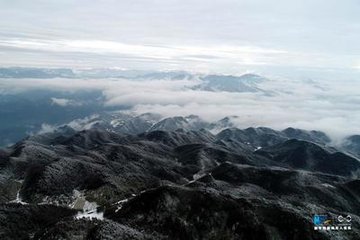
(308, 49)
(223, 36)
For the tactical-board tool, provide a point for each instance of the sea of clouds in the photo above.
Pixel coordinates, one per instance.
(329, 106)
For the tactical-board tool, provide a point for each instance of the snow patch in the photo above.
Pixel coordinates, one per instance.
(91, 215)
(87, 209)
(120, 204)
(19, 199)
(117, 122)
(328, 185)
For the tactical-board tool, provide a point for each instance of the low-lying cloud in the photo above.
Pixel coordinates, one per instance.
(63, 102)
(328, 106)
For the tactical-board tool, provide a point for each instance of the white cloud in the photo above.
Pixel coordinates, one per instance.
(163, 34)
(178, 56)
(322, 105)
(46, 128)
(226, 36)
(249, 55)
(63, 102)
(357, 67)
(77, 125)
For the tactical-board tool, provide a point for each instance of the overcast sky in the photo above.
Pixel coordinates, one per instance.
(198, 35)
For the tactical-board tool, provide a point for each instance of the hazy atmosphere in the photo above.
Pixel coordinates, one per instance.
(180, 119)
(278, 103)
(308, 51)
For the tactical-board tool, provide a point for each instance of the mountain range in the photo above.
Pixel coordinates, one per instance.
(23, 112)
(121, 176)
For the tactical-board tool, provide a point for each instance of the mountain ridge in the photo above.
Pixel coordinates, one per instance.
(177, 184)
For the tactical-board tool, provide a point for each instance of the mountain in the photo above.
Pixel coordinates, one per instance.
(32, 72)
(173, 184)
(243, 83)
(351, 144)
(308, 156)
(251, 138)
(191, 122)
(227, 83)
(225, 128)
(173, 75)
(254, 139)
(127, 123)
(25, 110)
(314, 136)
(19, 72)
(226, 122)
